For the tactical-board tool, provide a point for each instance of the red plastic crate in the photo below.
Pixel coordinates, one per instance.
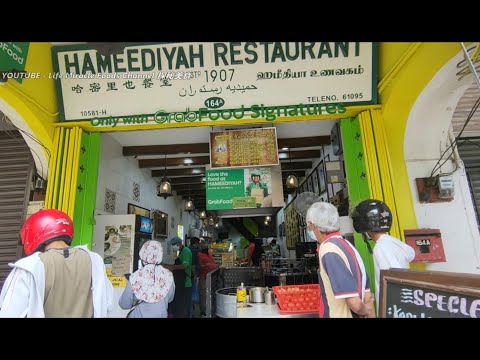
(298, 299)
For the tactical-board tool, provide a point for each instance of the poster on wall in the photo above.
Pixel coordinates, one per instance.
(189, 82)
(321, 177)
(241, 148)
(239, 188)
(138, 210)
(292, 228)
(180, 233)
(117, 249)
(316, 187)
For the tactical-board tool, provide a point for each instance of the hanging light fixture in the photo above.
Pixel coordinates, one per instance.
(189, 204)
(203, 214)
(292, 181)
(164, 189)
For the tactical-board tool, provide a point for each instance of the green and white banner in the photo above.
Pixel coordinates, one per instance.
(147, 79)
(239, 188)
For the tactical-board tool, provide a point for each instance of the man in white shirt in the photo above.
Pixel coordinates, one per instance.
(373, 219)
(55, 279)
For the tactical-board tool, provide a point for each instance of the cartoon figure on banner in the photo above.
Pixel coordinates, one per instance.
(112, 240)
(259, 189)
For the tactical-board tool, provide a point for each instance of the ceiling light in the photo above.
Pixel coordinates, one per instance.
(292, 181)
(189, 204)
(164, 189)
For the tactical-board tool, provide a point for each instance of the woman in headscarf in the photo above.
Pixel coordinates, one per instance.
(151, 288)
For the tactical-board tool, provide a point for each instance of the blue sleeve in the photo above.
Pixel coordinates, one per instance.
(342, 280)
(128, 298)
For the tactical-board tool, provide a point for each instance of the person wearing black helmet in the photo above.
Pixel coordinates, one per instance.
(373, 219)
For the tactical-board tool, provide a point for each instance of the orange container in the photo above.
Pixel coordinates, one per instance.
(298, 299)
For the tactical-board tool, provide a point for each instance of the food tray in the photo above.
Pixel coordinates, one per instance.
(298, 299)
(297, 312)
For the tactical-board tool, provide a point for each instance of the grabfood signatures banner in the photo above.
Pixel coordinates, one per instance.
(239, 188)
(149, 79)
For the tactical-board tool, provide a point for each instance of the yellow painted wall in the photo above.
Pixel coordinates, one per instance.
(407, 70)
(390, 54)
(35, 99)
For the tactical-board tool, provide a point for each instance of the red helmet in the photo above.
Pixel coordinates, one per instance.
(44, 227)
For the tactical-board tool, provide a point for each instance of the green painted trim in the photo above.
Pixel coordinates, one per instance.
(357, 181)
(91, 186)
(84, 217)
(78, 215)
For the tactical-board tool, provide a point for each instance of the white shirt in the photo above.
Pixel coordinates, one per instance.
(23, 291)
(389, 252)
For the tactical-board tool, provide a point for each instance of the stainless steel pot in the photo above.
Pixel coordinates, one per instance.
(256, 294)
(226, 301)
(269, 297)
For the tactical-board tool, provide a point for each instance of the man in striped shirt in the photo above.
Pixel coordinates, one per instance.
(344, 283)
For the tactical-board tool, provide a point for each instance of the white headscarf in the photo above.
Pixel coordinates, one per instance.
(152, 282)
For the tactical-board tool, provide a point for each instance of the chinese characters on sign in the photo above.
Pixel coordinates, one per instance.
(241, 148)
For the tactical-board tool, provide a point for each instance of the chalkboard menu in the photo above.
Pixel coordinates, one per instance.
(428, 294)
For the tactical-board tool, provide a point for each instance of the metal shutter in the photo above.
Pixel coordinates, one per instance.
(469, 150)
(16, 166)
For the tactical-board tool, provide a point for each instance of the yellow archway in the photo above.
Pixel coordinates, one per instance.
(405, 71)
(32, 105)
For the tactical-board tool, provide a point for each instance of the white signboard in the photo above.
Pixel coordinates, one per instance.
(185, 77)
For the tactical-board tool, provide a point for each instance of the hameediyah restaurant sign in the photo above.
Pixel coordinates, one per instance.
(152, 81)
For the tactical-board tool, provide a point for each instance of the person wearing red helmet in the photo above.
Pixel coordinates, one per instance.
(55, 280)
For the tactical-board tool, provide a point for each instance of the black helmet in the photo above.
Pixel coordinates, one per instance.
(372, 215)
